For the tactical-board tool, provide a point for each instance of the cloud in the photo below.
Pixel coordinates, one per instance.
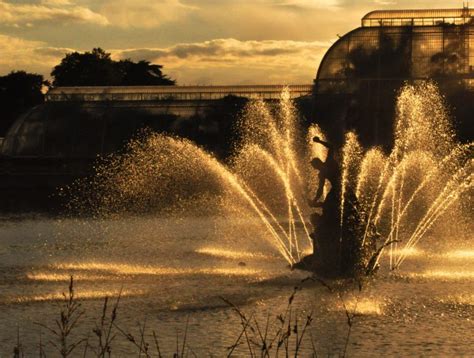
(219, 61)
(226, 48)
(144, 13)
(198, 41)
(55, 2)
(299, 20)
(307, 4)
(399, 4)
(32, 56)
(52, 52)
(227, 61)
(48, 11)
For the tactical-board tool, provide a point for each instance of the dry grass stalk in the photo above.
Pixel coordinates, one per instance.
(70, 314)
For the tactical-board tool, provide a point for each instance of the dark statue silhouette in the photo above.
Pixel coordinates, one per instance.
(338, 250)
(328, 170)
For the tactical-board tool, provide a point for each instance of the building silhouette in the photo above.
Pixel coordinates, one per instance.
(360, 75)
(355, 88)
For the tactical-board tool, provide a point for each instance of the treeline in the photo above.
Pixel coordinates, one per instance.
(20, 90)
(96, 68)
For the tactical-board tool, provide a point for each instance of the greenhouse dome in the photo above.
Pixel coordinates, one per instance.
(360, 75)
(83, 122)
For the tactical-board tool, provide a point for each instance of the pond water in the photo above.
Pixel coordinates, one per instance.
(175, 275)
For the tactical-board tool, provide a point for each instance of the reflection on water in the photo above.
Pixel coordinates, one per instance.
(362, 306)
(81, 295)
(460, 254)
(461, 299)
(235, 255)
(170, 271)
(445, 274)
(54, 276)
(407, 252)
(463, 255)
(125, 269)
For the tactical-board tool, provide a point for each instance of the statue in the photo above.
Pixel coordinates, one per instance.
(337, 238)
(328, 170)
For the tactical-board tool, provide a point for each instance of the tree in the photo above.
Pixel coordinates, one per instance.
(97, 68)
(142, 73)
(19, 91)
(94, 68)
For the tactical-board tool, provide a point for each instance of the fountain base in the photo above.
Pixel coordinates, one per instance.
(339, 248)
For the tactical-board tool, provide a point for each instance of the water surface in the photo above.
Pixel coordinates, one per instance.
(170, 271)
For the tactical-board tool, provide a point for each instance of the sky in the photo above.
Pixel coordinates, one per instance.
(199, 42)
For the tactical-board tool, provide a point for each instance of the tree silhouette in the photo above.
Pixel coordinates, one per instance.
(97, 68)
(94, 68)
(19, 91)
(142, 73)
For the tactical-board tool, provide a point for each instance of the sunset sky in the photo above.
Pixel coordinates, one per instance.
(204, 42)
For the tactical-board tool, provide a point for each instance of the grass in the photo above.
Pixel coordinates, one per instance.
(259, 342)
(69, 316)
(285, 334)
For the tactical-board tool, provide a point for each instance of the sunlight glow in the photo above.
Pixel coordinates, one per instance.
(363, 306)
(408, 252)
(460, 254)
(230, 254)
(81, 294)
(126, 269)
(444, 274)
(50, 276)
(461, 299)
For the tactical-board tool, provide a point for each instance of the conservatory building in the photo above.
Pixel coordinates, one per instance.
(360, 75)
(356, 87)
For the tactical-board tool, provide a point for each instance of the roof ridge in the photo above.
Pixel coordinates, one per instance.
(419, 13)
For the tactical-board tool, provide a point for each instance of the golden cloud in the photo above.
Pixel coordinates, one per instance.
(230, 61)
(143, 14)
(57, 11)
(219, 61)
(32, 56)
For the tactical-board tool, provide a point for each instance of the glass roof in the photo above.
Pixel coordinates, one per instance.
(150, 93)
(418, 14)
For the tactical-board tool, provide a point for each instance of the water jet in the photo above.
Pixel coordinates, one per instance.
(368, 200)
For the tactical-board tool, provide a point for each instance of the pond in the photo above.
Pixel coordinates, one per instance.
(179, 278)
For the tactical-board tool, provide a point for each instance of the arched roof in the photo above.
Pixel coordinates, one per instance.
(411, 14)
(427, 17)
(78, 130)
(425, 51)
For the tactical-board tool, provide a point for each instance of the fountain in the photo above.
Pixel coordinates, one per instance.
(367, 203)
(391, 201)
